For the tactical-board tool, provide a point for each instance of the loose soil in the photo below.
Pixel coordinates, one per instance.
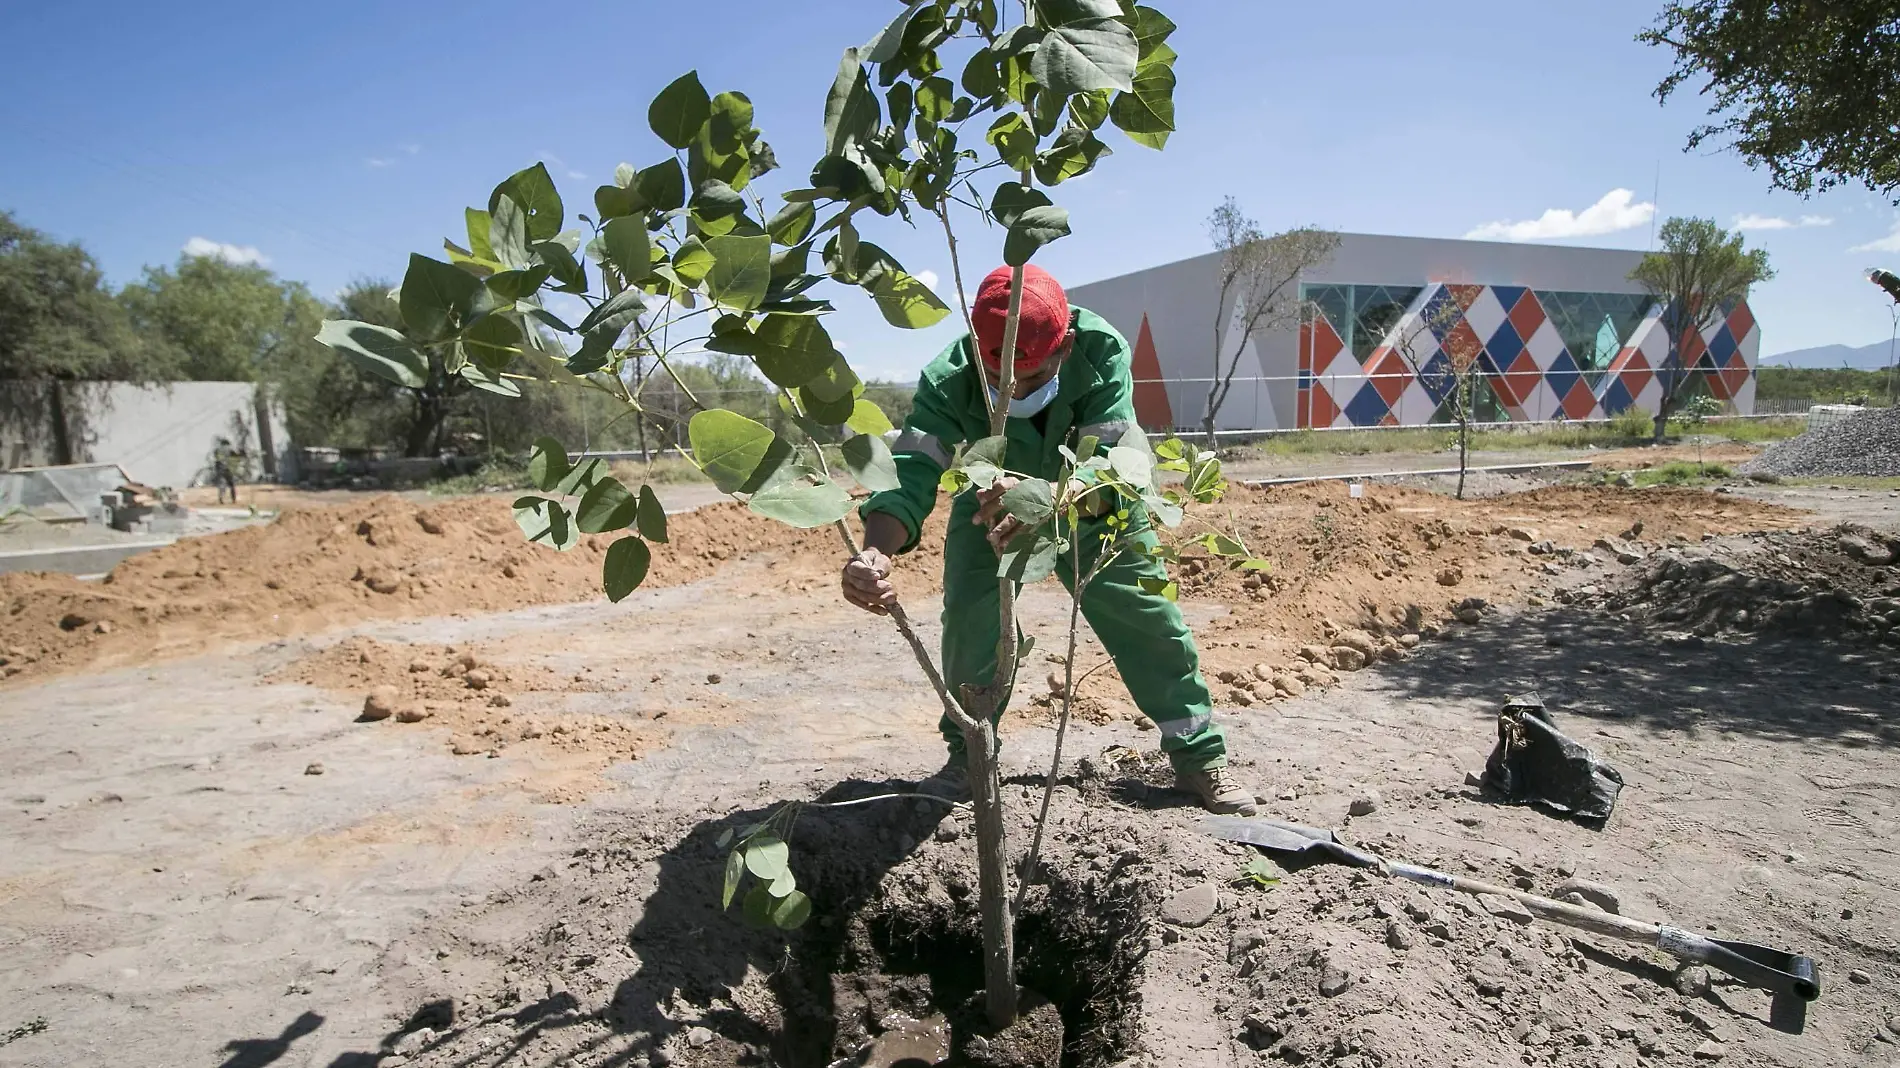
(181, 882)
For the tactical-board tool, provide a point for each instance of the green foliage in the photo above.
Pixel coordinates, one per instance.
(1681, 473)
(1797, 87)
(1818, 385)
(57, 318)
(1260, 872)
(1632, 423)
(761, 854)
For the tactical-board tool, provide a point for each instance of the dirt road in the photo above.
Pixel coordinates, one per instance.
(211, 861)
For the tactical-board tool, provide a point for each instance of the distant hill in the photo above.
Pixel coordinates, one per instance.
(1866, 358)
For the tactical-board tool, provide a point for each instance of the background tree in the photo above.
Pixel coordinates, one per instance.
(1259, 290)
(1809, 89)
(59, 324)
(1446, 362)
(214, 321)
(1700, 272)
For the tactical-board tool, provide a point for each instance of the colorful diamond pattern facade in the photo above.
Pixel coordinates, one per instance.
(1518, 343)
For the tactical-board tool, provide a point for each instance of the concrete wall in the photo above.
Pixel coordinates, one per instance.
(1177, 303)
(162, 435)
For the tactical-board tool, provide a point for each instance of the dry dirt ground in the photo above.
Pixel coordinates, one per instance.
(211, 859)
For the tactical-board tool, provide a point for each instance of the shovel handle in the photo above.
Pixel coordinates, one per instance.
(1608, 924)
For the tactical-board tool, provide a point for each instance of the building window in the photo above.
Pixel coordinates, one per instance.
(1361, 315)
(1594, 326)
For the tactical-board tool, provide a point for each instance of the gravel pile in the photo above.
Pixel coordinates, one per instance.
(1867, 444)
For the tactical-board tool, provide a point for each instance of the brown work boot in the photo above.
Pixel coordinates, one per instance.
(1219, 791)
(950, 782)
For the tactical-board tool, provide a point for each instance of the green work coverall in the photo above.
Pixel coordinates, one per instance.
(1142, 631)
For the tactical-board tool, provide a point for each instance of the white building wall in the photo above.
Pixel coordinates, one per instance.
(161, 435)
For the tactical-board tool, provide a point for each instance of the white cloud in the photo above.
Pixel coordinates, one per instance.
(238, 254)
(1890, 243)
(577, 176)
(1752, 221)
(928, 278)
(377, 161)
(412, 149)
(1615, 211)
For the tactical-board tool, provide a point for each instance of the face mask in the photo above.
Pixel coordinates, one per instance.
(1024, 407)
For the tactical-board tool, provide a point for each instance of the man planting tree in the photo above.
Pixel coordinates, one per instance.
(1072, 382)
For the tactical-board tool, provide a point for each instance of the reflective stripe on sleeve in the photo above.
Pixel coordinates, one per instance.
(1107, 433)
(1184, 728)
(928, 444)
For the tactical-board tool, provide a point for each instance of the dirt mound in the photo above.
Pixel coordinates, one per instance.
(1868, 444)
(1392, 563)
(1356, 580)
(1844, 581)
(311, 570)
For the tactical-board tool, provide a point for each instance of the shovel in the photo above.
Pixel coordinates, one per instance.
(1793, 980)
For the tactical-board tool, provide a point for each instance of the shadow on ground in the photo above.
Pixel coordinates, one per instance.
(1585, 664)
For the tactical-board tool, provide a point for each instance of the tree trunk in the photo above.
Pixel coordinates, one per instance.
(1464, 433)
(430, 412)
(62, 432)
(1207, 426)
(992, 867)
(1662, 423)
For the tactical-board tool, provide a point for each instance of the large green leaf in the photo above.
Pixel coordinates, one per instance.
(508, 233)
(691, 261)
(757, 906)
(581, 477)
(1015, 142)
(547, 464)
(981, 79)
(716, 207)
(1034, 228)
(765, 857)
(677, 114)
(1029, 501)
(628, 247)
(735, 871)
(869, 459)
(619, 310)
(617, 201)
(1028, 560)
(509, 286)
(792, 350)
(1146, 112)
(1073, 153)
(802, 504)
(838, 383)
(884, 47)
(791, 910)
(1011, 199)
(1084, 55)
(823, 412)
(545, 521)
(489, 381)
(1063, 12)
(1133, 466)
(905, 301)
(868, 418)
(377, 349)
(478, 222)
(607, 506)
(741, 270)
(662, 187)
(623, 569)
(533, 192)
(560, 260)
(650, 517)
(735, 452)
(1151, 28)
(851, 110)
(792, 223)
(434, 295)
(494, 340)
(1090, 110)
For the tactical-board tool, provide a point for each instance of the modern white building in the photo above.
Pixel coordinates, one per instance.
(1560, 333)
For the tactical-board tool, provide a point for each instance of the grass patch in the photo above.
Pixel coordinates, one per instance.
(1683, 473)
(496, 474)
(661, 469)
(1626, 431)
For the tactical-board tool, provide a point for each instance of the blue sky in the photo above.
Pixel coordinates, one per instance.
(333, 141)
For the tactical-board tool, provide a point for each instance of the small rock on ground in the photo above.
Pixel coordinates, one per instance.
(1603, 897)
(1365, 804)
(1505, 908)
(1192, 907)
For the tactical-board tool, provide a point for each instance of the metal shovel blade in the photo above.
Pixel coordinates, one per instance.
(1287, 838)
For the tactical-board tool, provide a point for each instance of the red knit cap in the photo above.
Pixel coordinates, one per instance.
(1040, 330)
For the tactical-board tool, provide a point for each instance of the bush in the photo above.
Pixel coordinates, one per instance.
(1633, 422)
